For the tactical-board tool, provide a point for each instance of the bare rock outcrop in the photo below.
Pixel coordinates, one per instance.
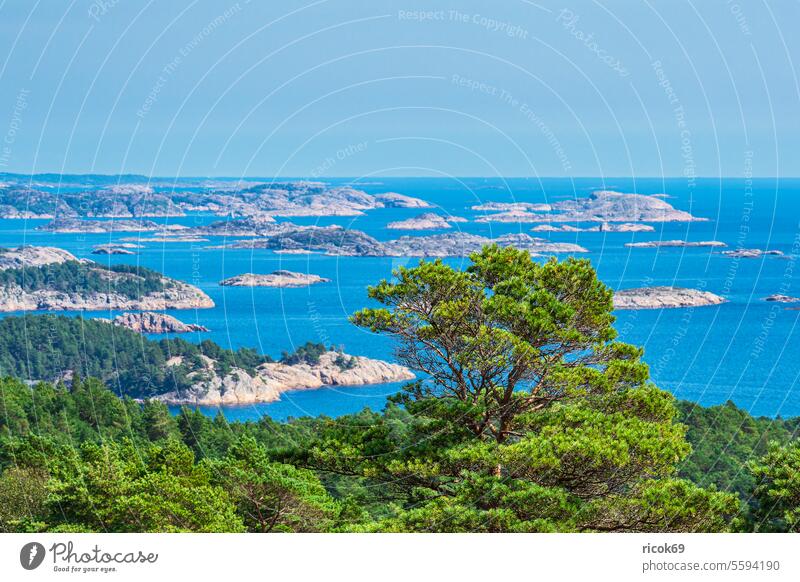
(513, 206)
(279, 278)
(271, 380)
(462, 244)
(600, 206)
(604, 227)
(114, 249)
(781, 298)
(75, 225)
(654, 244)
(750, 253)
(90, 286)
(151, 322)
(426, 221)
(178, 295)
(664, 298)
(395, 200)
(28, 256)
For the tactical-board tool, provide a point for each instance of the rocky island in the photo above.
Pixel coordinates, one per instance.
(654, 244)
(395, 200)
(306, 199)
(511, 216)
(335, 240)
(97, 198)
(462, 244)
(513, 206)
(287, 279)
(87, 200)
(600, 206)
(664, 298)
(151, 322)
(780, 298)
(177, 371)
(426, 221)
(29, 256)
(270, 380)
(74, 225)
(750, 253)
(114, 249)
(604, 227)
(45, 278)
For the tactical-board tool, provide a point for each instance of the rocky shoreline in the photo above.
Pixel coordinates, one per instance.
(426, 221)
(604, 227)
(74, 225)
(600, 206)
(750, 254)
(53, 296)
(654, 244)
(270, 380)
(282, 278)
(337, 241)
(151, 322)
(224, 198)
(664, 298)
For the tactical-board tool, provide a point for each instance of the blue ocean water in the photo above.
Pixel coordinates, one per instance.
(745, 350)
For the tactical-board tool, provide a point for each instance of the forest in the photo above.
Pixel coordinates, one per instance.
(532, 417)
(86, 278)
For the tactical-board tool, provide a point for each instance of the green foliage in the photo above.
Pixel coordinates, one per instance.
(724, 440)
(308, 353)
(273, 497)
(22, 498)
(75, 277)
(778, 488)
(534, 418)
(124, 488)
(531, 418)
(45, 347)
(345, 362)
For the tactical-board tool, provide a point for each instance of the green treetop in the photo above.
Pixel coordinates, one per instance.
(532, 416)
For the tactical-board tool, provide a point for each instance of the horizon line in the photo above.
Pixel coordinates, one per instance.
(323, 178)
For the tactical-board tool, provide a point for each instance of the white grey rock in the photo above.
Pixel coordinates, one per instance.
(30, 256)
(280, 278)
(395, 200)
(604, 227)
(750, 253)
(675, 243)
(426, 221)
(664, 298)
(513, 206)
(780, 298)
(151, 322)
(600, 206)
(273, 379)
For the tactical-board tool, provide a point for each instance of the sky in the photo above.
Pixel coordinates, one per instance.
(412, 88)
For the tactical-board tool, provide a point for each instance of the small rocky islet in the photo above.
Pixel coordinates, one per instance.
(338, 241)
(664, 297)
(280, 278)
(655, 244)
(602, 227)
(600, 206)
(425, 221)
(152, 322)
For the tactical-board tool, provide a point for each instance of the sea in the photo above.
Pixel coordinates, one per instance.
(746, 350)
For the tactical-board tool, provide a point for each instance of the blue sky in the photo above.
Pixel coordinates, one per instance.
(346, 88)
